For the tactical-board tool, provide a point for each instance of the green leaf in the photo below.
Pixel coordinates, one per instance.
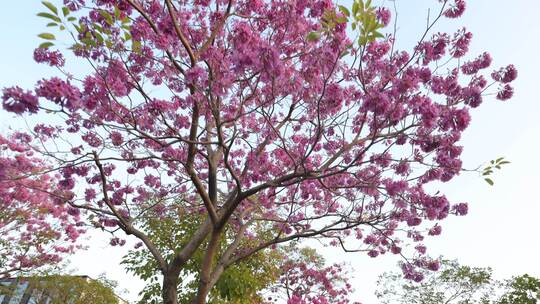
(47, 36)
(368, 4)
(45, 45)
(50, 16)
(71, 19)
(369, 24)
(342, 19)
(136, 45)
(489, 181)
(116, 13)
(51, 24)
(313, 36)
(363, 40)
(344, 10)
(378, 35)
(108, 17)
(98, 28)
(355, 9)
(99, 37)
(76, 46)
(65, 11)
(361, 5)
(89, 41)
(50, 6)
(504, 162)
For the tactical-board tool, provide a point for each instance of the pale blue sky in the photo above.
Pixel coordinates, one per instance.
(502, 229)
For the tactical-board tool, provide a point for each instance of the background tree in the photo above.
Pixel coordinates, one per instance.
(237, 106)
(458, 284)
(453, 283)
(35, 230)
(305, 278)
(523, 289)
(62, 289)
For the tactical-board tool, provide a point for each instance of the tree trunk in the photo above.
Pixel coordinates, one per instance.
(206, 267)
(169, 291)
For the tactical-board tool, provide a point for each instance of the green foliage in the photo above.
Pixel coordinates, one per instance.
(62, 289)
(313, 36)
(51, 7)
(493, 165)
(50, 16)
(458, 284)
(54, 21)
(46, 36)
(238, 284)
(453, 284)
(93, 33)
(363, 19)
(522, 290)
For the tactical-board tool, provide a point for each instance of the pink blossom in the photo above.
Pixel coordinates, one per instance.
(472, 67)
(116, 138)
(92, 139)
(460, 43)
(52, 58)
(461, 208)
(456, 9)
(505, 93)
(435, 230)
(384, 15)
(17, 101)
(505, 75)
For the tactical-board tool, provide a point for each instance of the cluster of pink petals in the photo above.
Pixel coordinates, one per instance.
(41, 229)
(307, 282)
(456, 9)
(52, 58)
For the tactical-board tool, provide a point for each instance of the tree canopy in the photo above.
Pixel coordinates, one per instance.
(275, 121)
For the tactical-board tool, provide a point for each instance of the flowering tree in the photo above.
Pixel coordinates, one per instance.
(305, 279)
(35, 229)
(301, 115)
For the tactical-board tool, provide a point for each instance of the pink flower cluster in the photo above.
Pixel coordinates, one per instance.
(52, 58)
(31, 218)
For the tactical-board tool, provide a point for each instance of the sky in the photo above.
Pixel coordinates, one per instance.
(503, 225)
